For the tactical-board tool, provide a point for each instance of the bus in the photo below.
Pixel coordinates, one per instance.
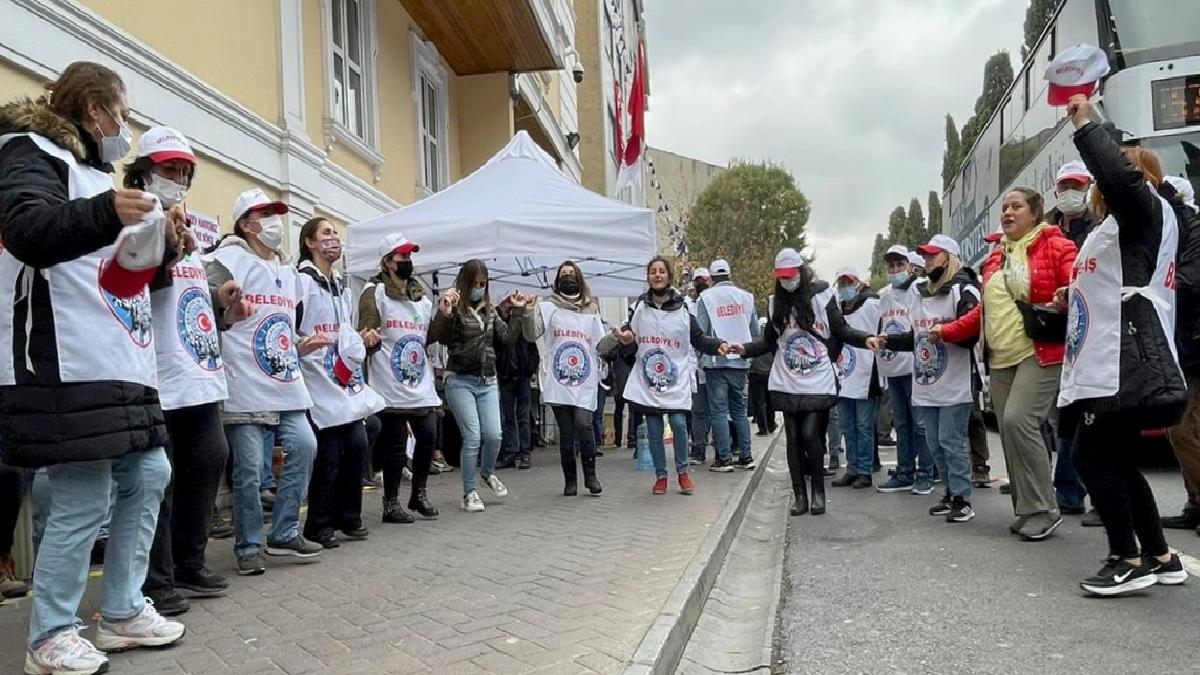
(1152, 93)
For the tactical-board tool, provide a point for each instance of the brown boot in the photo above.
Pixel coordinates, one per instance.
(10, 585)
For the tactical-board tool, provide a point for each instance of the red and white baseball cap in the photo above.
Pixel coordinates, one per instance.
(939, 243)
(896, 251)
(787, 263)
(1073, 170)
(396, 243)
(1075, 70)
(162, 144)
(848, 272)
(351, 352)
(255, 199)
(138, 253)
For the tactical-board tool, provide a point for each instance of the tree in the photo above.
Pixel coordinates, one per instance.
(997, 78)
(934, 224)
(878, 271)
(745, 216)
(1037, 17)
(914, 226)
(951, 155)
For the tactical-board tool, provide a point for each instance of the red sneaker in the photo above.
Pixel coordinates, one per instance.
(685, 484)
(660, 486)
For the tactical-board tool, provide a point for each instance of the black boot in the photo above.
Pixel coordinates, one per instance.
(394, 513)
(592, 484)
(419, 502)
(818, 495)
(799, 499)
(570, 488)
(588, 459)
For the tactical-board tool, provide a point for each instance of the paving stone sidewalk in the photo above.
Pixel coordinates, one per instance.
(537, 583)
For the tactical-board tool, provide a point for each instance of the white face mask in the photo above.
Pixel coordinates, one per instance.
(790, 285)
(272, 232)
(168, 191)
(114, 148)
(1072, 202)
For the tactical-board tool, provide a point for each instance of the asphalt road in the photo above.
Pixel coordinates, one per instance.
(879, 586)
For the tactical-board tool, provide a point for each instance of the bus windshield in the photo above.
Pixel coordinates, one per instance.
(1156, 30)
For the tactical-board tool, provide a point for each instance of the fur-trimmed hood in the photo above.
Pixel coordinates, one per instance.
(29, 116)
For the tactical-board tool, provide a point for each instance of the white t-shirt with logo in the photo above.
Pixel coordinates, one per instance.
(187, 343)
(570, 368)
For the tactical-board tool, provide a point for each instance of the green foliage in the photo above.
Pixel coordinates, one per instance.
(1037, 17)
(997, 78)
(877, 272)
(745, 216)
(934, 224)
(914, 226)
(951, 156)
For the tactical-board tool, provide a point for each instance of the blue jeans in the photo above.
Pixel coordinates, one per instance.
(1068, 487)
(658, 450)
(475, 402)
(267, 475)
(727, 400)
(857, 419)
(246, 446)
(912, 454)
(39, 495)
(598, 416)
(946, 436)
(79, 503)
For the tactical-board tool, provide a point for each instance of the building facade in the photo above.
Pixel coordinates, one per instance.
(342, 108)
(673, 184)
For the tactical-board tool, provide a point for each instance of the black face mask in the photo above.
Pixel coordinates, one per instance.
(936, 274)
(568, 286)
(700, 288)
(404, 269)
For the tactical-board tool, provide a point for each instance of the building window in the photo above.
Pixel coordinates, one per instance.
(432, 100)
(351, 117)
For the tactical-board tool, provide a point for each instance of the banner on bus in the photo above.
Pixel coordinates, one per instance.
(206, 230)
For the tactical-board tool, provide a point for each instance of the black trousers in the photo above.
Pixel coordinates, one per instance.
(335, 488)
(805, 433)
(977, 436)
(575, 432)
(1106, 460)
(374, 459)
(760, 403)
(619, 419)
(394, 443)
(11, 484)
(197, 451)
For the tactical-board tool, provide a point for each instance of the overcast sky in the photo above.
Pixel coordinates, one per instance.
(850, 95)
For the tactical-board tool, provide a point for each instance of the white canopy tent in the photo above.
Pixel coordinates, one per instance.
(522, 216)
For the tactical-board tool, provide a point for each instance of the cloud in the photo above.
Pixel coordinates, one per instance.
(850, 95)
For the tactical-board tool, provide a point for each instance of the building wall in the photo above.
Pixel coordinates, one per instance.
(672, 185)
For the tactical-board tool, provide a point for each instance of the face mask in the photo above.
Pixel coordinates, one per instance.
(700, 288)
(847, 293)
(404, 269)
(331, 249)
(476, 294)
(272, 232)
(1072, 202)
(936, 274)
(113, 148)
(568, 286)
(168, 191)
(897, 279)
(790, 285)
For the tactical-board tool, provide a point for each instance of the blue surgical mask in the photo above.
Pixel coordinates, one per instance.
(898, 279)
(847, 293)
(476, 294)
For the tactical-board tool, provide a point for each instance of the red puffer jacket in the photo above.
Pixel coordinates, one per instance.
(1051, 259)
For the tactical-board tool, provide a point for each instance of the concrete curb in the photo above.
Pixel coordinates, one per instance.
(662, 646)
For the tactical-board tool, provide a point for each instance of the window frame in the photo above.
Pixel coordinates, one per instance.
(429, 67)
(336, 131)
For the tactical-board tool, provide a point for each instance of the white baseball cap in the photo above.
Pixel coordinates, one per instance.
(848, 272)
(720, 266)
(916, 259)
(396, 243)
(701, 273)
(939, 243)
(1185, 190)
(896, 250)
(787, 263)
(162, 144)
(1075, 70)
(1073, 170)
(255, 199)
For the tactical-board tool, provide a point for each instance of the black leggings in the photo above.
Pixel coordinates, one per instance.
(197, 451)
(335, 489)
(393, 442)
(575, 432)
(1106, 458)
(10, 505)
(805, 433)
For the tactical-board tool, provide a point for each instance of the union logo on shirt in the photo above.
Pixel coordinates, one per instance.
(846, 362)
(1078, 322)
(802, 354)
(930, 360)
(355, 386)
(408, 360)
(274, 350)
(891, 328)
(197, 329)
(132, 313)
(659, 371)
(572, 365)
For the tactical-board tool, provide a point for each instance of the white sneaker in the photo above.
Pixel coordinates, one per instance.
(147, 629)
(406, 473)
(472, 503)
(493, 481)
(65, 653)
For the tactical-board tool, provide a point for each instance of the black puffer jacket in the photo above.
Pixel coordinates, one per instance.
(44, 420)
(1187, 278)
(1152, 392)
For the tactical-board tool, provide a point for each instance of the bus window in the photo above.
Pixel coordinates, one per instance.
(1158, 30)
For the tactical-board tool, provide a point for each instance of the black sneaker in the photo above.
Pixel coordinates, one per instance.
(506, 463)
(1118, 577)
(524, 464)
(941, 508)
(721, 465)
(168, 602)
(960, 511)
(1188, 520)
(326, 538)
(1170, 573)
(201, 583)
(1091, 519)
(251, 565)
(747, 463)
(359, 533)
(861, 482)
(296, 547)
(846, 480)
(1039, 526)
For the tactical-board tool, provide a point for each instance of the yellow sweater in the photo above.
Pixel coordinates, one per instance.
(1004, 328)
